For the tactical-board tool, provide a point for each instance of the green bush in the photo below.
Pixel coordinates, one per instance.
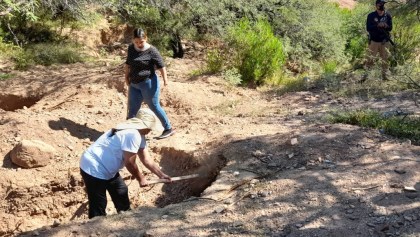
(354, 29)
(23, 60)
(232, 76)
(48, 54)
(314, 32)
(406, 35)
(6, 76)
(214, 61)
(398, 126)
(258, 54)
(329, 67)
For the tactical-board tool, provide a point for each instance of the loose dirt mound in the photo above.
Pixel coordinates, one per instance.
(332, 180)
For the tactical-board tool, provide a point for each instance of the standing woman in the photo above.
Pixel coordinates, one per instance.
(142, 62)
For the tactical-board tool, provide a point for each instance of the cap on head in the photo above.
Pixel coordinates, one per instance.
(380, 1)
(140, 33)
(145, 119)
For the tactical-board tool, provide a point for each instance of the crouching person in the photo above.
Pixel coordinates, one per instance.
(116, 148)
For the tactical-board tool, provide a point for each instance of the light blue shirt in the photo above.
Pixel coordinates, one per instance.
(104, 158)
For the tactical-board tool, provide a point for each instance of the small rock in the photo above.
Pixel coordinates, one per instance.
(370, 224)
(291, 155)
(254, 181)
(164, 216)
(299, 226)
(236, 173)
(237, 224)
(294, 141)
(408, 218)
(35, 233)
(409, 189)
(263, 193)
(400, 171)
(258, 154)
(219, 209)
(56, 223)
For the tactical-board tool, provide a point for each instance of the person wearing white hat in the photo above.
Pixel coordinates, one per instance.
(116, 148)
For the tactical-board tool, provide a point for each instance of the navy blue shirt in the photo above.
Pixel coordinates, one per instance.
(142, 63)
(376, 33)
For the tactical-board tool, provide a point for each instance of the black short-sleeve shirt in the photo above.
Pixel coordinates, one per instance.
(143, 63)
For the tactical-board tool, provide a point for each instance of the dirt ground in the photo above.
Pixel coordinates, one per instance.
(270, 165)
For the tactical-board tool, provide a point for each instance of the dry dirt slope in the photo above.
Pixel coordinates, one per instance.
(338, 180)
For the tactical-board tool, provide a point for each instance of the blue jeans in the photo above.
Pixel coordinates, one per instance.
(147, 91)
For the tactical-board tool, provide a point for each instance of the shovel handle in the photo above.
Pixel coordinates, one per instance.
(156, 181)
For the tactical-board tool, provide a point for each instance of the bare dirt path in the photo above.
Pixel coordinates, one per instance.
(276, 167)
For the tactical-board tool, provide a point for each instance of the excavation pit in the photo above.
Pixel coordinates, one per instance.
(179, 163)
(10, 102)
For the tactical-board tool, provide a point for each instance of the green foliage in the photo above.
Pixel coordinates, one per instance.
(408, 74)
(232, 76)
(7, 49)
(6, 76)
(400, 127)
(22, 60)
(329, 67)
(406, 35)
(354, 28)
(48, 54)
(258, 54)
(313, 30)
(26, 22)
(214, 61)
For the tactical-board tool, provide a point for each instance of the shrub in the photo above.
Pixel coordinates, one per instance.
(48, 54)
(329, 67)
(232, 76)
(258, 54)
(398, 126)
(406, 35)
(355, 32)
(214, 61)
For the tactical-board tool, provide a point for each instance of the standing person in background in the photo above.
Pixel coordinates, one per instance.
(116, 148)
(379, 26)
(142, 62)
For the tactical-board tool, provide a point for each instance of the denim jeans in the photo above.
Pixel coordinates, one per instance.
(147, 91)
(96, 191)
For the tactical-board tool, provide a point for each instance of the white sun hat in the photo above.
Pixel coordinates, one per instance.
(145, 119)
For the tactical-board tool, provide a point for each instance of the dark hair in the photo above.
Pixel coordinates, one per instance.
(140, 33)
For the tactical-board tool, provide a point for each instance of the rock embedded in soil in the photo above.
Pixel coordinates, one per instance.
(32, 153)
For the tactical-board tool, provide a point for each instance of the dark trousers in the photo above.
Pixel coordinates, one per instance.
(96, 191)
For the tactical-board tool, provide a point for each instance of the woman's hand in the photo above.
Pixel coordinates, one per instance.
(143, 182)
(167, 177)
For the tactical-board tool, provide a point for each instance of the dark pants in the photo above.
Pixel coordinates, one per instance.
(96, 191)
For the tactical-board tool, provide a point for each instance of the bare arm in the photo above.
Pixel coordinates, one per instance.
(164, 75)
(127, 74)
(130, 164)
(151, 165)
